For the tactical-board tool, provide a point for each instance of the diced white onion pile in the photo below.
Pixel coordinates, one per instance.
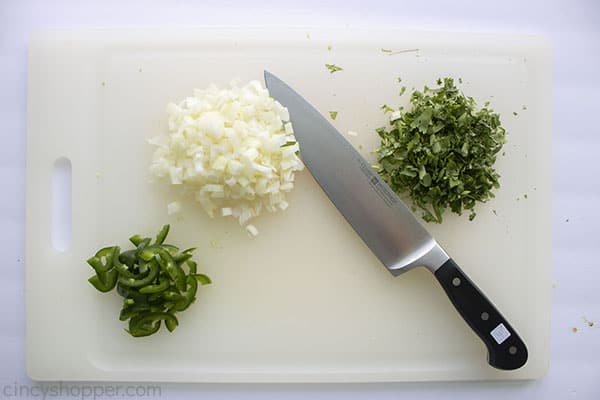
(234, 149)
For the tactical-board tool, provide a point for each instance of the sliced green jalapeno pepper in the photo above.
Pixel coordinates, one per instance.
(171, 294)
(103, 259)
(149, 252)
(148, 323)
(141, 331)
(192, 266)
(133, 282)
(171, 324)
(151, 279)
(143, 244)
(128, 258)
(136, 240)
(132, 310)
(189, 295)
(98, 266)
(129, 292)
(123, 269)
(108, 253)
(203, 279)
(162, 235)
(177, 300)
(173, 250)
(106, 281)
(143, 268)
(167, 264)
(162, 285)
(180, 282)
(184, 255)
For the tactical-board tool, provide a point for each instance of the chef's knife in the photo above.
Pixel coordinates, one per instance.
(388, 227)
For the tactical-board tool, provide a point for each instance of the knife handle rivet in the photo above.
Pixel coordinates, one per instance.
(485, 316)
(456, 281)
(512, 350)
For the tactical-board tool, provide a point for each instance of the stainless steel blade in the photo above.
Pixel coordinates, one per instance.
(379, 217)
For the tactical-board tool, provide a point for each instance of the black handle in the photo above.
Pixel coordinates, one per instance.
(506, 350)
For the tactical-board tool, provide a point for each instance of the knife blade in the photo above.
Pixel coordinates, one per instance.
(388, 227)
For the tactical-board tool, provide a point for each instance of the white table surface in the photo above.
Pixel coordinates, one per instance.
(572, 26)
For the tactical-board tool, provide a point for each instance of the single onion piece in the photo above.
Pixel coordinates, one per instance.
(252, 230)
(174, 207)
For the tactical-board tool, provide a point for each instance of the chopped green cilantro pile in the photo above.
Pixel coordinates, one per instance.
(442, 151)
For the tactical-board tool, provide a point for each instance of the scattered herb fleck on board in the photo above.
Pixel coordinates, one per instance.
(151, 278)
(333, 114)
(333, 68)
(387, 109)
(442, 151)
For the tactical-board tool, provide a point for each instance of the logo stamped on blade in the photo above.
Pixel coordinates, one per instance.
(380, 188)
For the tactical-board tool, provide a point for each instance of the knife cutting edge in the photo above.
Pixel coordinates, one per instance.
(388, 227)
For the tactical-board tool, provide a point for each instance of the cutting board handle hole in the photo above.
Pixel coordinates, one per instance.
(61, 204)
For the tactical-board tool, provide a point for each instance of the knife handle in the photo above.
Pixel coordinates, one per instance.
(506, 350)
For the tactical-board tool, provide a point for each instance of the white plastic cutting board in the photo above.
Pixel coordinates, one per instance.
(305, 300)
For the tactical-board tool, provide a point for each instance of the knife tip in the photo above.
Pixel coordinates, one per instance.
(268, 77)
